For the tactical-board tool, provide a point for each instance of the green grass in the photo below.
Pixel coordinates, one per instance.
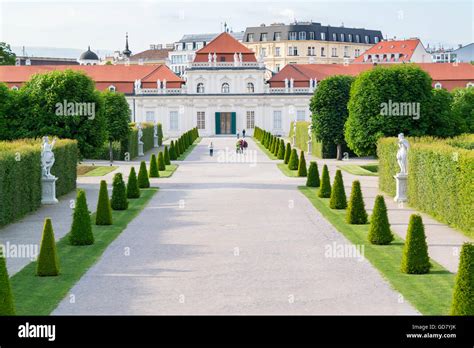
(170, 169)
(288, 172)
(98, 170)
(40, 295)
(183, 156)
(367, 170)
(265, 150)
(374, 168)
(429, 293)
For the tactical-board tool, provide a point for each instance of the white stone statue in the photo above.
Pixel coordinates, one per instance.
(402, 153)
(209, 57)
(47, 157)
(158, 84)
(164, 84)
(292, 83)
(240, 57)
(310, 133)
(236, 57)
(286, 82)
(140, 133)
(155, 129)
(215, 57)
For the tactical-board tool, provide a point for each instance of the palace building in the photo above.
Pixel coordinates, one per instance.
(225, 88)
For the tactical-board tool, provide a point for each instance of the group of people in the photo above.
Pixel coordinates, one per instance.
(241, 145)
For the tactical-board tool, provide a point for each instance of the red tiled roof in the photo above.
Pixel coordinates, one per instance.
(121, 76)
(456, 74)
(404, 47)
(225, 45)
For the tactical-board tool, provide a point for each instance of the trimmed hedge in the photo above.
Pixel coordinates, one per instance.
(103, 214)
(20, 175)
(440, 177)
(119, 193)
(338, 195)
(7, 304)
(294, 161)
(463, 295)
(302, 170)
(133, 191)
(415, 259)
(356, 213)
(48, 262)
(325, 190)
(379, 230)
(153, 167)
(130, 145)
(81, 229)
(302, 139)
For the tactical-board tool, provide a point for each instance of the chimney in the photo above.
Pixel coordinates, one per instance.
(459, 45)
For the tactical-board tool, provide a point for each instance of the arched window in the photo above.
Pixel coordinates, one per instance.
(470, 84)
(14, 88)
(200, 87)
(112, 88)
(250, 87)
(438, 85)
(225, 88)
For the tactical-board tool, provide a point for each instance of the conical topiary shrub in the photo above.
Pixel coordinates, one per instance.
(281, 150)
(48, 262)
(356, 213)
(153, 167)
(119, 193)
(133, 191)
(161, 162)
(172, 151)
(167, 156)
(7, 305)
(338, 195)
(277, 147)
(313, 175)
(463, 295)
(143, 181)
(103, 215)
(293, 162)
(415, 259)
(302, 171)
(379, 230)
(287, 153)
(81, 229)
(325, 189)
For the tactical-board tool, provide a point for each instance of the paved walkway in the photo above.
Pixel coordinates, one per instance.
(444, 242)
(222, 237)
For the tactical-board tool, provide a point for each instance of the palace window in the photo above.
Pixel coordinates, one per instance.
(302, 35)
(112, 88)
(311, 51)
(277, 36)
(263, 52)
(14, 88)
(277, 51)
(334, 37)
(357, 52)
(346, 51)
(250, 119)
(200, 88)
(201, 120)
(276, 119)
(292, 51)
(189, 46)
(376, 39)
(323, 36)
(357, 38)
(225, 88)
(250, 87)
(342, 37)
(249, 37)
(334, 52)
(349, 37)
(300, 115)
(174, 120)
(311, 35)
(150, 116)
(323, 54)
(292, 35)
(263, 37)
(367, 39)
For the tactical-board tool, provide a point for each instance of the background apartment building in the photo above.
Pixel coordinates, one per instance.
(308, 42)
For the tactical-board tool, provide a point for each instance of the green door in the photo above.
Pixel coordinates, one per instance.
(218, 123)
(233, 123)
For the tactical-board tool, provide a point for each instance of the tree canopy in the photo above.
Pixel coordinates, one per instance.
(7, 57)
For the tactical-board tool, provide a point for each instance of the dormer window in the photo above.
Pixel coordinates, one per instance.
(225, 88)
(376, 39)
(112, 88)
(311, 35)
(263, 37)
(292, 35)
(470, 84)
(200, 88)
(357, 38)
(250, 87)
(342, 37)
(277, 36)
(15, 88)
(438, 85)
(349, 37)
(367, 39)
(323, 36)
(302, 35)
(250, 38)
(334, 37)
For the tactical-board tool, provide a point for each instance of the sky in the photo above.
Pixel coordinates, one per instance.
(102, 24)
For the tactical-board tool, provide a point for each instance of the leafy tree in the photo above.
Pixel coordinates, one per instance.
(338, 195)
(302, 170)
(133, 191)
(167, 156)
(81, 229)
(415, 259)
(379, 230)
(7, 57)
(48, 262)
(463, 108)
(143, 181)
(287, 153)
(356, 213)
(119, 193)
(7, 305)
(325, 190)
(153, 167)
(45, 115)
(313, 175)
(117, 117)
(329, 110)
(370, 112)
(293, 162)
(103, 215)
(463, 295)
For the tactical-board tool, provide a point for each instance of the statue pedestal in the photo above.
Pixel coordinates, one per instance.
(155, 139)
(401, 180)
(310, 147)
(140, 149)
(48, 190)
(294, 141)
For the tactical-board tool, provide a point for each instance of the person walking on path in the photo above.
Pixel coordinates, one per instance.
(211, 149)
(238, 134)
(244, 145)
(243, 133)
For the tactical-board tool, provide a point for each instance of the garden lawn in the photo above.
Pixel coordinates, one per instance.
(95, 170)
(288, 172)
(183, 156)
(429, 293)
(170, 169)
(368, 170)
(35, 295)
(265, 150)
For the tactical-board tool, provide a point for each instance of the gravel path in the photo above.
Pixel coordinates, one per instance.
(222, 237)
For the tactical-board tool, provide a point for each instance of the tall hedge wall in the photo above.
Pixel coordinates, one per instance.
(440, 177)
(302, 139)
(131, 144)
(20, 175)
